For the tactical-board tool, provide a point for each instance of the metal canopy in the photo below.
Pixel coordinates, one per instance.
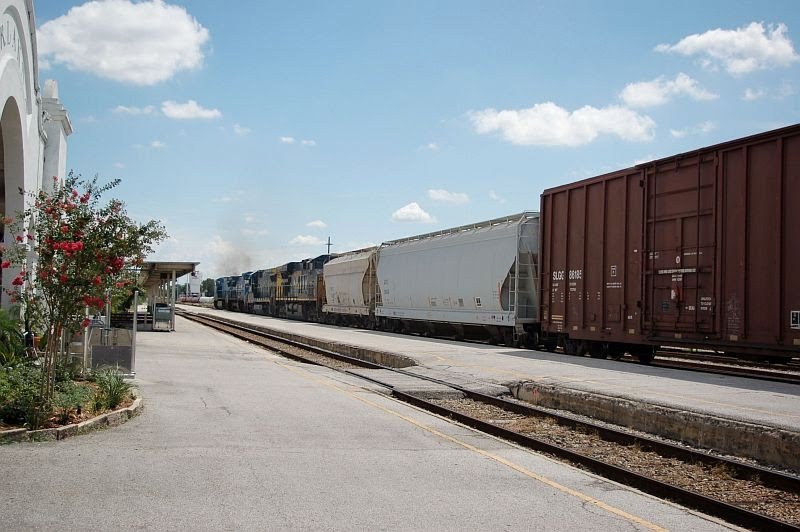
(158, 281)
(154, 274)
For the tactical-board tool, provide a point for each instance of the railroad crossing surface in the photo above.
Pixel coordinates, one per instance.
(736, 415)
(234, 437)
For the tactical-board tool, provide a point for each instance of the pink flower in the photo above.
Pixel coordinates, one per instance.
(17, 281)
(8, 220)
(5, 264)
(97, 280)
(19, 238)
(85, 323)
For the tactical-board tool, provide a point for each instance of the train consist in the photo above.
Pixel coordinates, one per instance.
(472, 281)
(697, 250)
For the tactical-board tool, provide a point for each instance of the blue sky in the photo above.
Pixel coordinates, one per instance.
(254, 130)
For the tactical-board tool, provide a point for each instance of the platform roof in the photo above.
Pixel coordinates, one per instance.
(154, 274)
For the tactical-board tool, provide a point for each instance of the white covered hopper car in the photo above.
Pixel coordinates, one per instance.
(477, 280)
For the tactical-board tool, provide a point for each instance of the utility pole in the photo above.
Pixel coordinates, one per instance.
(329, 245)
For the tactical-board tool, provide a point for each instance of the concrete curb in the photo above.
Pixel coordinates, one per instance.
(769, 445)
(385, 358)
(109, 419)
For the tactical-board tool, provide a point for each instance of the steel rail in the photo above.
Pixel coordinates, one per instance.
(731, 513)
(698, 363)
(756, 373)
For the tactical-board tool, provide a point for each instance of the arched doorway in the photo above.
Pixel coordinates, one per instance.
(12, 172)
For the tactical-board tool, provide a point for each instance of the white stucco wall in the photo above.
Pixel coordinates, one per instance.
(30, 126)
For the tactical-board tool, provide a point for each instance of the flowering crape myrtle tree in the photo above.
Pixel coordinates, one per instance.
(71, 251)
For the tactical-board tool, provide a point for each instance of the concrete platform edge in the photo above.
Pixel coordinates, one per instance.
(385, 358)
(765, 444)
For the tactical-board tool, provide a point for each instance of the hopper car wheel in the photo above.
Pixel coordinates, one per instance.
(508, 338)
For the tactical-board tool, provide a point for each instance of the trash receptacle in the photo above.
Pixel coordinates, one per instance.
(162, 318)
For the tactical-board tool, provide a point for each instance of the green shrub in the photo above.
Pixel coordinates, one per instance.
(70, 396)
(12, 343)
(98, 402)
(20, 396)
(68, 370)
(112, 387)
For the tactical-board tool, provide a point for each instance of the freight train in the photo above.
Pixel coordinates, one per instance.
(698, 250)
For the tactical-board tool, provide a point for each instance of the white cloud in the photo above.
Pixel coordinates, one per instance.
(494, 197)
(247, 231)
(241, 130)
(412, 213)
(701, 128)
(142, 43)
(740, 51)
(222, 199)
(157, 144)
(89, 119)
(292, 140)
(659, 91)
(458, 198)
(317, 223)
(783, 91)
(306, 240)
(118, 165)
(431, 146)
(547, 124)
(186, 111)
(753, 94)
(146, 110)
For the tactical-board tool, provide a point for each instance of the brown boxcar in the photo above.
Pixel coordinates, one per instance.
(699, 250)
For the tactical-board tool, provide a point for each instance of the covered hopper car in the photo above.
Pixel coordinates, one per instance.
(474, 278)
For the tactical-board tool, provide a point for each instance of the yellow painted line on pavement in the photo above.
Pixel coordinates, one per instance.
(516, 467)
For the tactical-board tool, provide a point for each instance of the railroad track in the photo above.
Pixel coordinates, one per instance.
(789, 373)
(741, 493)
(715, 364)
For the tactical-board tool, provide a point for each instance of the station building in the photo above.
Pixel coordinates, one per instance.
(34, 125)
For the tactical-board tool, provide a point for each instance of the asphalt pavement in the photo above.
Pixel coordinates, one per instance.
(235, 438)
